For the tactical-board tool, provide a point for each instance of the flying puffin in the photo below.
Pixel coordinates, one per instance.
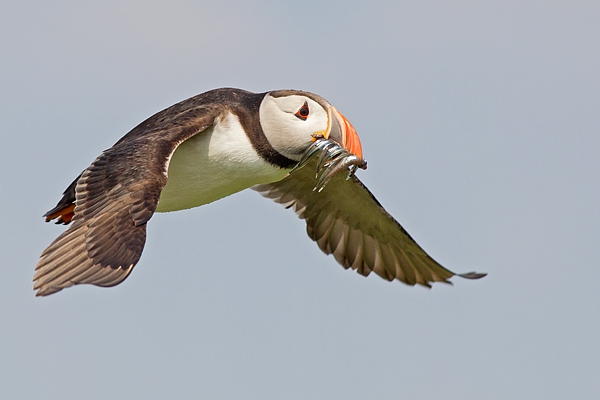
(209, 147)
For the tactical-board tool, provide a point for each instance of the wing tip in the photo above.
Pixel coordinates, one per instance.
(45, 291)
(473, 275)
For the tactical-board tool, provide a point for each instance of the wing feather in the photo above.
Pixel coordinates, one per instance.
(346, 220)
(114, 199)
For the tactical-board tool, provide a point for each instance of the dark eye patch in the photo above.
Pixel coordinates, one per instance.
(303, 112)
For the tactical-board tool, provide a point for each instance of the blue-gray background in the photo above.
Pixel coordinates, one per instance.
(481, 127)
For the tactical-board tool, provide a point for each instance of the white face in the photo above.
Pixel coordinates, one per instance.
(290, 123)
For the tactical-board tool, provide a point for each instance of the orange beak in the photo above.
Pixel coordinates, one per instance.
(342, 131)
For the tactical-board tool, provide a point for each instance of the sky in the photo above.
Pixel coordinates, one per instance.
(480, 123)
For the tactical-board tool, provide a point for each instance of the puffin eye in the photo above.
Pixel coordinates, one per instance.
(303, 112)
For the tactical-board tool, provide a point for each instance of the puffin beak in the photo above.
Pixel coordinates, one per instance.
(342, 131)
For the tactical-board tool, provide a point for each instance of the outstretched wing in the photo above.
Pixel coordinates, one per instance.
(113, 199)
(347, 221)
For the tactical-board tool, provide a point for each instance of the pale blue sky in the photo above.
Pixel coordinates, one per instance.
(481, 126)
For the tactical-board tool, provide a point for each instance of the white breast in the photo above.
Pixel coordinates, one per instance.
(214, 164)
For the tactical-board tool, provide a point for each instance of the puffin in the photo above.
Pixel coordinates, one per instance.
(291, 146)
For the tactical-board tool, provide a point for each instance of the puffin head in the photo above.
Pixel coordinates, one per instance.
(292, 120)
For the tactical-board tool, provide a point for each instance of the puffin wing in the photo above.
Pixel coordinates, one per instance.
(113, 199)
(346, 220)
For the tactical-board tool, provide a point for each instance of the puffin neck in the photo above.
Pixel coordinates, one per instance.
(248, 113)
